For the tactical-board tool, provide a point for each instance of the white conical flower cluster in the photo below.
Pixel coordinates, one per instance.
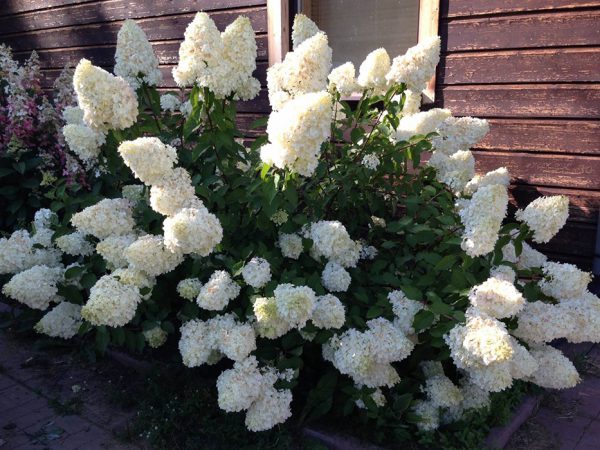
(135, 60)
(222, 62)
(108, 102)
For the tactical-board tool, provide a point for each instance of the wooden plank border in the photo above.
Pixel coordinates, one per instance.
(429, 20)
(278, 30)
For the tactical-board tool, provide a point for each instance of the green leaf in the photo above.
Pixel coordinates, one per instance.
(74, 272)
(423, 319)
(102, 339)
(88, 280)
(445, 263)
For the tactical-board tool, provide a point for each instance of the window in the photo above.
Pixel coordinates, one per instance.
(356, 27)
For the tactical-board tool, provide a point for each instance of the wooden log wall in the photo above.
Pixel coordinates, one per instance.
(532, 68)
(64, 31)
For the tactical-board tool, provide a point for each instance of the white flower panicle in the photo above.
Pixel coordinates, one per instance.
(35, 287)
(303, 71)
(149, 159)
(112, 249)
(73, 115)
(412, 102)
(429, 415)
(497, 298)
(106, 218)
(83, 141)
(332, 241)
(155, 337)
(17, 253)
(62, 321)
(303, 29)
(342, 79)
(174, 192)
(504, 273)
(111, 303)
(329, 312)
(294, 304)
(335, 278)
(108, 102)
(290, 245)
(150, 254)
(405, 310)
(420, 123)
(555, 370)
(200, 52)
(193, 230)
(169, 102)
(248, 387)
(459, 133)
(499, 176)
(530, 258)
(455, 170)
(545, 216)
(222, 62)
(417, 65)
(564, 281)
(373, 70)
(240, 54)
(269, 322)
(482, 217)
(442, 392)
(74, 244)
(366, 356)
(296, 133)
(133, 192)
(221, 334)
(218, 291)
(135, 60)
(541, 322)
(189, 288)
(257, 272)
(370, 161)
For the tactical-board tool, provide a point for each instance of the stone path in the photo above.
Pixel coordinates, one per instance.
(570, 419)
(49, 401)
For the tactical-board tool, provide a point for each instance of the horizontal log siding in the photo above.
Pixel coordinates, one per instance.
(533, 69)
(64, 31)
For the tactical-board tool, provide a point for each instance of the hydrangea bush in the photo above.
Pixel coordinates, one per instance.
(350, 255)
(36, 167)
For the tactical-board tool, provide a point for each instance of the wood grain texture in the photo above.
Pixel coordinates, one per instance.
(574, 28)
(583, 205)
(543, 136)
(49, 75)
(521, 66)
(574, 239)
(542, 100)
(167, 52)
(156, 28)
(10, 7)
(581, 172)
(113, 10)
(461, 8)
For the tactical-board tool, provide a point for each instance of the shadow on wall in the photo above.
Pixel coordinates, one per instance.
(577, 241)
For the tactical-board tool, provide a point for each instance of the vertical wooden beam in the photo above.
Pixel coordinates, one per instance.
(429, 17)
(278, 39)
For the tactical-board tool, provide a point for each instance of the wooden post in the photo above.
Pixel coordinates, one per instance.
(429, 17)
(278, 30)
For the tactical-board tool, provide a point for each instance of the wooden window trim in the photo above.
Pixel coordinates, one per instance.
(279, 31)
